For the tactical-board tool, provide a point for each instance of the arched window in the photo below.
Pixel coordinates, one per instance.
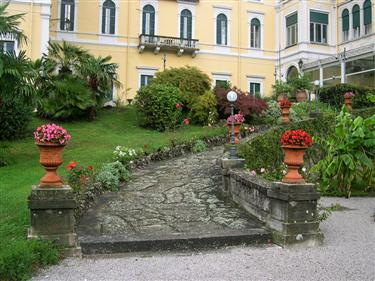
(345, 25)
(186, 24)
(255, 33)
(221, 30)
(67, 15)
(292, 72)
(148, 20)
(367, 16)
(108, 17)
(356, 21)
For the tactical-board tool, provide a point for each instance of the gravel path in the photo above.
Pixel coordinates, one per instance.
(347, 254)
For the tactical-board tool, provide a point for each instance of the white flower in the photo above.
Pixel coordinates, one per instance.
(284, 172)
(262, 170)
(304, 169)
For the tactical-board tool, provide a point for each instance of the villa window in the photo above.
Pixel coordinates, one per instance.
(67, 15)
(345, 25)
(318, 27)
(255, 88)
(222, 30)
(148, 20)
(255, 34)
(292, 30)
(7, 46)
(146, 79)
(186, 24)
(108, 17)
(367, 16)
(356, 21)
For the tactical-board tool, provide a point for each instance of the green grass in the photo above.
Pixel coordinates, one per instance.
(92, 143)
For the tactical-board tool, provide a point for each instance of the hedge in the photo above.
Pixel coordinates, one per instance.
(334, 95)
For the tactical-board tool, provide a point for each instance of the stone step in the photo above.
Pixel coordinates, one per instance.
(114, 245)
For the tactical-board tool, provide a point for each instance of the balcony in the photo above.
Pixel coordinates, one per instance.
(167, 43)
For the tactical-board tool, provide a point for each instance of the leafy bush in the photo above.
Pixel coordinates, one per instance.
(350, 156)
(191, 81)
(14, 116)
(203, 109)
(156, 105)
(199, 146)
(281, 87)
(334, 95)
(20, 258)
(247, 104)
(126, 155)
(3, 155)
(111, 174)
(79, 176)
(301, 82)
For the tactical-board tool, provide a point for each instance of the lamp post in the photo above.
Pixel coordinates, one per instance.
(317, 84)
(232, 97)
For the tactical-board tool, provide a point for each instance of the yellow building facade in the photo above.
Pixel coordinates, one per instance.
(249, 43)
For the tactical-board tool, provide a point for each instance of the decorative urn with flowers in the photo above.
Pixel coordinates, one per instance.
(285, 105)
(51, 140)
(238, 120)
(294, 143)
(348, 100)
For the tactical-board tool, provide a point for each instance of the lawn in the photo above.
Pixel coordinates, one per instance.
(92, 143)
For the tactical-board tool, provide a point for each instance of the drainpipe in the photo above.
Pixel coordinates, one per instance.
(320, 74)
(127, 51)
(239, 44)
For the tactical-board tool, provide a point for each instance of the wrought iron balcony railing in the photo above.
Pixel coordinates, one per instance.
(157, 43)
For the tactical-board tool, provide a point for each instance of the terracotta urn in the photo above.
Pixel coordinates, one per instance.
(348, 103)
(293, 158)
(301, 96)
(237, 130)
(50, 158)
(282, 96)
(285, 114)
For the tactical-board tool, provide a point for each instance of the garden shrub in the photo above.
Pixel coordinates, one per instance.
(334, 95)
(248, 105)
(3, 155)
(111, 174)
(350, 155)
(191, 81)
(265, 150)
(156, 105)
(203, 109)
(18, 259)
(199, 146)
(14, 116)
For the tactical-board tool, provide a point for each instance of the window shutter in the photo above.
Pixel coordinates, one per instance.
(345, 20)
(226, 31)
(257, 88)
(318, 17)
(181, 25)
(72, 16)
(367, 17)
(62, 16)
(103, 19)
(189, 27)
(152, 23)
(143, 80)
(292, 19)
(143, 22)
(218, 30)
(112, 20)
(356, 20)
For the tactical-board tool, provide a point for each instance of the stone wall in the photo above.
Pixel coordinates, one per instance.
(288, 210)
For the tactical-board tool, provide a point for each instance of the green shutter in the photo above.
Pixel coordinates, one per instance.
(152, 23)
(72, 15)
(218, 30)
(143, 22)
(143, 80)
(292, 19)
(356, 20)
(189, 27)
(345, 20)
(112, 20)
(181, 25)
(62, 16)
(103, 19)
(367, 17)
(318, 17)
(255, 22)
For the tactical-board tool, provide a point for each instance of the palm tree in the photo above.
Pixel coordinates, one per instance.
(9, 25)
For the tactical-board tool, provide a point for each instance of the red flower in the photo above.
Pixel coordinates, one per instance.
(186, 121)
(285, 103)
(71, 165)
(178, 106)
(296, 137)
(90, 168)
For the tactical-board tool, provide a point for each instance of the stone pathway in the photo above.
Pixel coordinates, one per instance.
(168, 205)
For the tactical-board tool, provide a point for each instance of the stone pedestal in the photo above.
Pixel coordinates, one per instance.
(294, 215)
(226, 165)
(52, 216)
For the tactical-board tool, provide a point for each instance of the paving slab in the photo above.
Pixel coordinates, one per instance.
(169, 205)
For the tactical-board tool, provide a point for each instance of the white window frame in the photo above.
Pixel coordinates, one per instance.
(220, 76)
(10, 38)
(259, 16)
(75, 17)
(227, 11)
(144, 70)
(153, 3)
(322, 25)
(192, 8)
(256, 79)
(101, 19)
(287, 42)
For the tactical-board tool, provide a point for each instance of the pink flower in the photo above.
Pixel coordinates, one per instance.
(253, 173)
(178, 106)
(186, 121)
